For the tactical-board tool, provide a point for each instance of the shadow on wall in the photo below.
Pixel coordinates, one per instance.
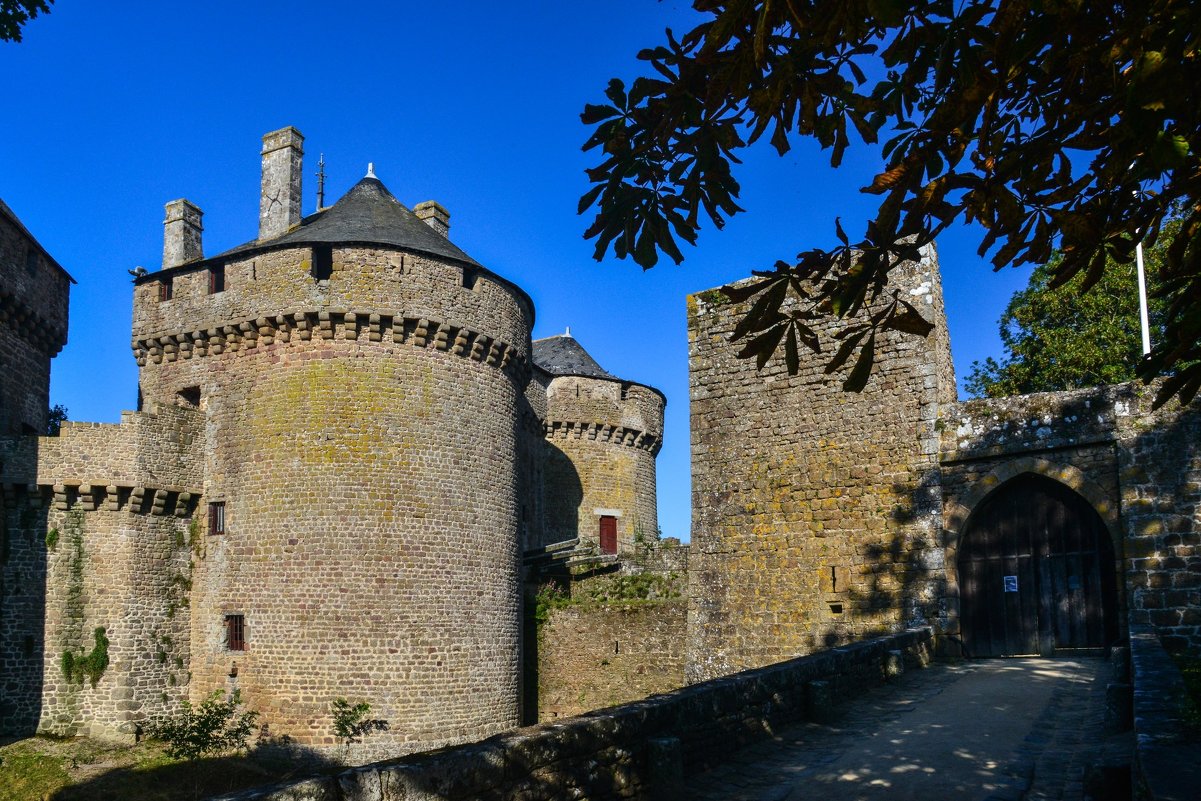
(24, 544)
(1160, 468)
(563, 492)
(900, 581)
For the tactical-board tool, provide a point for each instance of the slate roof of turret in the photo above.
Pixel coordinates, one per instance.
(370, 214)
(562, 355)
(15, 220)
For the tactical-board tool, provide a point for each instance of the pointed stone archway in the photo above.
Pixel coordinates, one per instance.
(1034, 561)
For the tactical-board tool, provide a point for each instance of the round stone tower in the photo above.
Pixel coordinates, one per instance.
(361, 379)
(602, 436)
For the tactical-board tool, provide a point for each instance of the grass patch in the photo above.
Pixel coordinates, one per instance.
(27, 772)
(82, 769)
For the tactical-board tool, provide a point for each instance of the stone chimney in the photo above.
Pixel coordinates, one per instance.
(181, 233)
(279, 206)
(434, 215)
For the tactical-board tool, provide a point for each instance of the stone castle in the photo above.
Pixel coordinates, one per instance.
(345, 440)
(348, 441)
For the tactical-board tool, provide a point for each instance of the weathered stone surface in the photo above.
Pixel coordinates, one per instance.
(633, 751)
(374, 438)
(815, 511)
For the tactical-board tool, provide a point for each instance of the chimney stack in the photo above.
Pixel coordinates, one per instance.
(181, 233)
(279, 206)
(434, 215)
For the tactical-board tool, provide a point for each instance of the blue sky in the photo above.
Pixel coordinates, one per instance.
(112, 109)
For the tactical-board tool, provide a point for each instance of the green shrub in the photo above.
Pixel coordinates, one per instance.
(351, 723)
(90, 666)
(215, 727)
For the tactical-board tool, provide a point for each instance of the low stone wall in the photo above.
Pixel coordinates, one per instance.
(640, 750)
(1167, 754)
(593, 657)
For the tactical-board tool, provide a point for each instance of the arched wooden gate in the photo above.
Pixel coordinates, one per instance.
(1036, 572)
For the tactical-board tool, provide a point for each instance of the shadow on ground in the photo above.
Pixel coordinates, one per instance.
(204, 778)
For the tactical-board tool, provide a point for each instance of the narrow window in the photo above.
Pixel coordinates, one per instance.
(216, 279)
(625, 390)
(323, 262)
(235, 632)
(165, 289)
(469, 278)
(217, 517)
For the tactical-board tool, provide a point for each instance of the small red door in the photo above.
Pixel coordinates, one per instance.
(608, 534)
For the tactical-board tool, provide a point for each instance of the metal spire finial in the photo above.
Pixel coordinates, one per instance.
(321, 182)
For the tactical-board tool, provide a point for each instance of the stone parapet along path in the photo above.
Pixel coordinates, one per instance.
(1004, 729)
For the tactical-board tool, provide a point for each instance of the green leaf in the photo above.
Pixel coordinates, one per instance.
(594, 114)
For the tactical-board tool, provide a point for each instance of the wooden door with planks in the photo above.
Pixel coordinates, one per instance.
(1036, 573)
(608, 534)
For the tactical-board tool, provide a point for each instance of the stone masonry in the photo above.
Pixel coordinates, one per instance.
(1140, 469)
(33, 325)
(821, 515)
(602, 436)
(339, 458)
(815, 511)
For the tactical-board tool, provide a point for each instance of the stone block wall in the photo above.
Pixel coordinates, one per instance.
(33, 325)
(265, 292)
(1159, 458)
(627, 752)
(1167, 753)
(816, 512)
(611, 646)
(362, 433)
(99, 539)
(1068, 437)
(1139, 468)
(23, 554)
(602, 437)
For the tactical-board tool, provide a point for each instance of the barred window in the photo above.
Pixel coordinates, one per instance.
(165, 289)
(217, 517)
(235, 632)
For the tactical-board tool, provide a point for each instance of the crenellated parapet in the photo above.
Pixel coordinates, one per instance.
(329, 324)
(602, 435)
(148, 461)
(601, 432)
(42, 332)
(587, 403)
(379, 291)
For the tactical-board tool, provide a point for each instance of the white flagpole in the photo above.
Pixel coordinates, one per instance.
(1142, 299)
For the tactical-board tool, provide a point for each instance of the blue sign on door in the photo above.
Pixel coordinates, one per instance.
(1011, 584)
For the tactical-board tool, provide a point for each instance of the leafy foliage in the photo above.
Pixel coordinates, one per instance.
(90, 666)
(1062, 338)
(1055, 125)
(215, 727)
(15, 13)
(351, 723)
(55, 419)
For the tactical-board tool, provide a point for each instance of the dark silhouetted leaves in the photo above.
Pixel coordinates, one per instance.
(1055, 126)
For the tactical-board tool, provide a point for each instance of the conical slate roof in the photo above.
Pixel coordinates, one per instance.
(562, 355)
(367, 214)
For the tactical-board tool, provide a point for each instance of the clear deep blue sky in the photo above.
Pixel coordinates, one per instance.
(112, 109)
